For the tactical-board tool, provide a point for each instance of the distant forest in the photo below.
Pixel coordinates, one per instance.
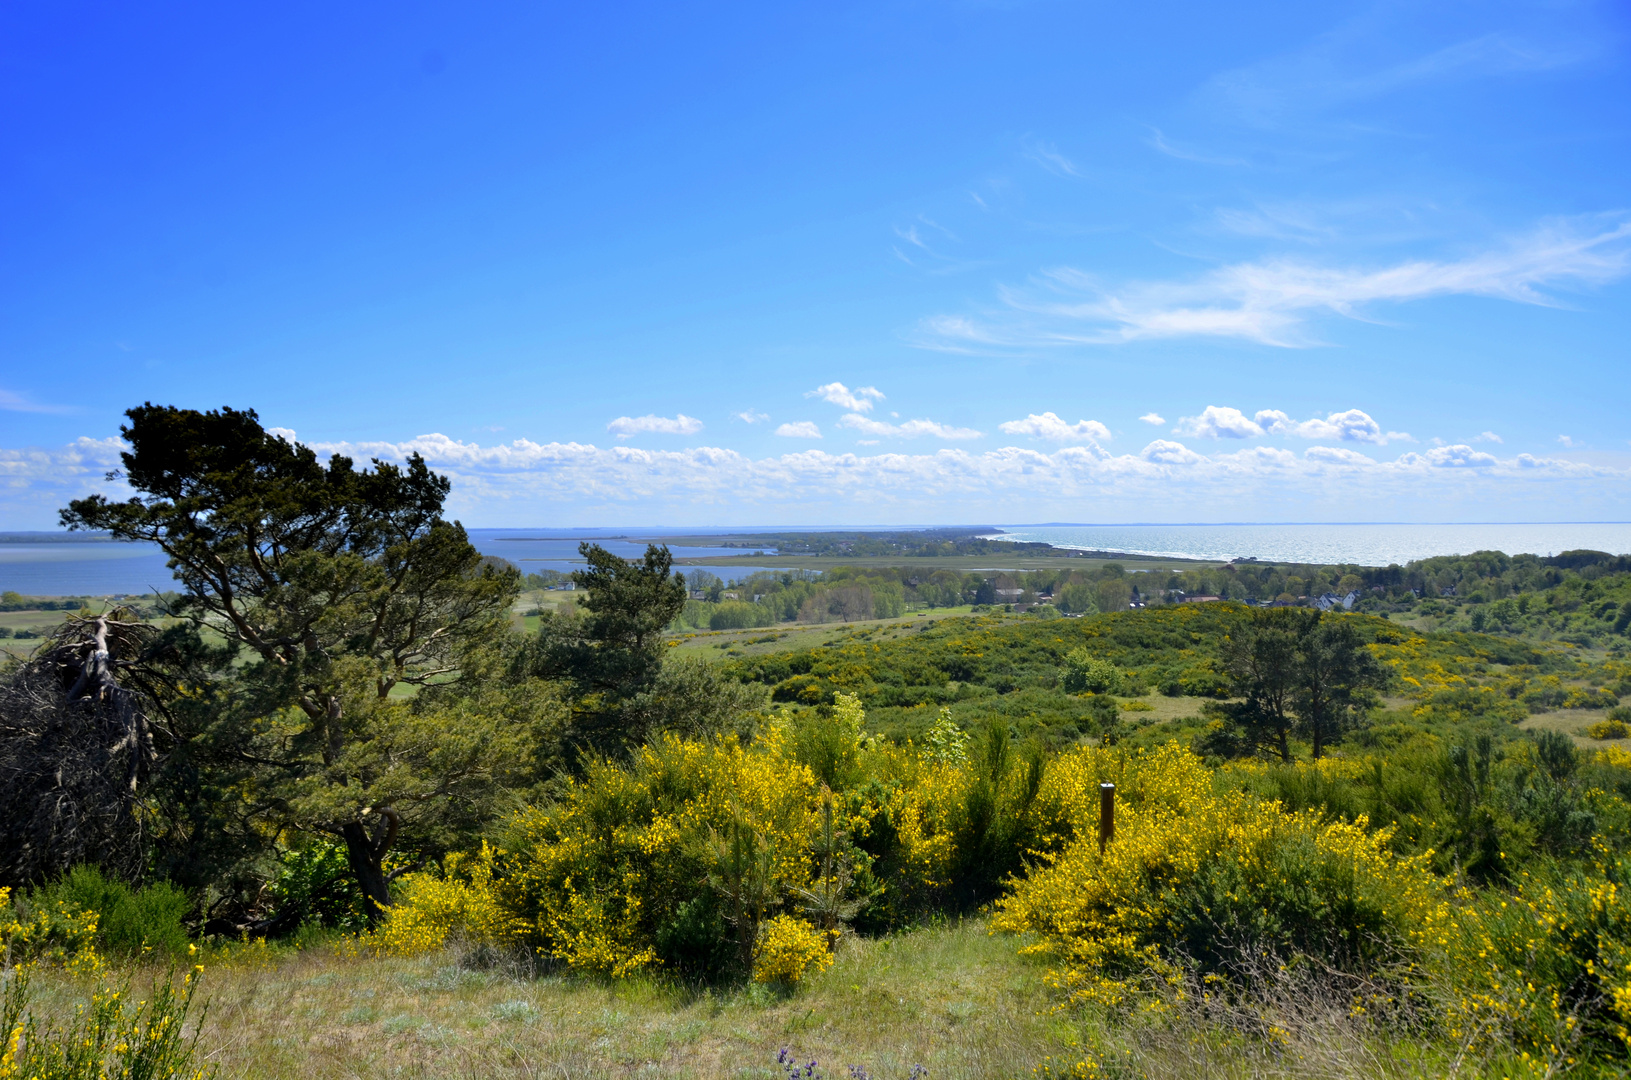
(1578, 596)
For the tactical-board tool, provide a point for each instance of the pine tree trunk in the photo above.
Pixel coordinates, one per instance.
(366, 856)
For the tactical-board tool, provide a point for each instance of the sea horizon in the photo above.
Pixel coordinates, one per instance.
(40, 563)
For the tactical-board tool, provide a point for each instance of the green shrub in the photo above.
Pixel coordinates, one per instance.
(128, 920)
(1085, 672)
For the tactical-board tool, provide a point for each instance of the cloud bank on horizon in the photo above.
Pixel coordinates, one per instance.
(1071, 475)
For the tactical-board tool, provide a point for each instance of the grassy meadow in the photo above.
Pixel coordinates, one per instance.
(954, 998)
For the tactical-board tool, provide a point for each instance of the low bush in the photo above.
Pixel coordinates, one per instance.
(1198, 876)
(458, 902)
(128, 921)
(1609, 729)
(788, 948)
(1546, 970)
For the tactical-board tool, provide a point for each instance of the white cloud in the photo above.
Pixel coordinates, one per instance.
(911, 429)
(36, 482)
(1489, 436)
(1566, 441)
(1049, 426)
(748, 416)
(1223, 422)
(1354, 425)
(861, 399)
(1272, 301)
(286, 434)
(1166, 452)
(1459, 456)
(625, 426)
(1336, 455)
(1218, 422)
(1153, 418)
(801, 429)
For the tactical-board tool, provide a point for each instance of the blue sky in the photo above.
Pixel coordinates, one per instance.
(837, 263)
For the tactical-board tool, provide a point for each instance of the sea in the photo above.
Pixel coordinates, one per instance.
(57, 565)
(1362, 544)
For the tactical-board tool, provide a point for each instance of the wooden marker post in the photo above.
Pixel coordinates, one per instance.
(1107, 815)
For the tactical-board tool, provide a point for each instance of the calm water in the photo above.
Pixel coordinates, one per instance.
(100, 568)
(1365, 545)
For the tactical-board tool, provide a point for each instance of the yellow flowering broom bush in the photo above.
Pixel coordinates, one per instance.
(617, 872)
(788, 948)
(1547, 969)
(54, 932)
(675, 858)
(1208, 877)
(460, 902)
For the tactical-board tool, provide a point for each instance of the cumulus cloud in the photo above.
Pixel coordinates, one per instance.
(1223, 422)
(1166, 452)
(1566, 441)
(625, 426)
(35, 481)
(1336, 455)
(1153, 418)
(910, 429)
(1050, 427)
(1458, 456)
(1489, 436)
(1272, 302)
(1354, 425)
(1218, 422)
(861, 399)
(800, 429)
(286, 434)
(748, 416)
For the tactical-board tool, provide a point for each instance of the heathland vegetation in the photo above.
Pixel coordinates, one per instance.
(386, 831)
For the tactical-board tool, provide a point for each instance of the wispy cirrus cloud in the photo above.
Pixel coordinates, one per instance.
(1048, 156)
(1157, 140)
(1049, 426)
(1273, 301)
(910, 429)
(751, 416)
(861, 399)
(14, 402)
(627, 426)
(1329, 72)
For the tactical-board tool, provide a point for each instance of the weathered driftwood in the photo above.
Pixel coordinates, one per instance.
(76, 744)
